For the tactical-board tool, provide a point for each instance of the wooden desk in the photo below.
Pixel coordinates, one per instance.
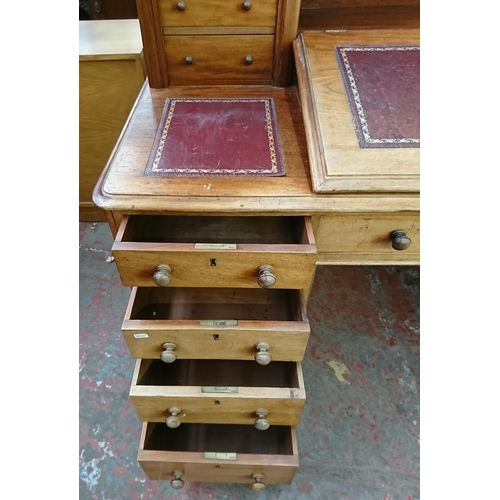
(163, 250)
(111, 75)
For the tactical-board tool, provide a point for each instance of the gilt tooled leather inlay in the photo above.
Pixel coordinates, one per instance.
(383, 89)
(206, 137)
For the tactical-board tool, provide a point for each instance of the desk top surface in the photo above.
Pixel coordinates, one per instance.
(124, 187)
(107, 39)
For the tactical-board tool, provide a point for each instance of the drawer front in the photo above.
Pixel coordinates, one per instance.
(216, 323)
(235, 454)
(241, 265)
(218, 392)
(200, 13)
(219, 59)
(365, 239)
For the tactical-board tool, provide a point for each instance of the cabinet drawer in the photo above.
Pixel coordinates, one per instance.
(211, 251)
(219, 453)
(366, 239)
(219, 60)
(216, 323)
(200, 13)
(218, 392)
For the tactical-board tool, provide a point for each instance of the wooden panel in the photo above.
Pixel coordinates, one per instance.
(108, 90)
(278, 467)
(219, 59)
(217, 13)
(360, 17)
(152, 394)
(365, 239)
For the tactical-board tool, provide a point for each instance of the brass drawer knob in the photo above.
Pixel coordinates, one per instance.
(399, 240)
(181, 5)
(263, 357)
(248, 59)
(173, 421)
(261, 423)
(177, 483)
(168, 355)
(266, 278)
(188, 60)
(162, 276)
(247, 5)
(258, 485)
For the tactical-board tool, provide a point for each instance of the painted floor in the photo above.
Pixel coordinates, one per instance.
(358, 437)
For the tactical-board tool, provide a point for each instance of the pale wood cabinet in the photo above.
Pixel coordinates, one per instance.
(111, 73)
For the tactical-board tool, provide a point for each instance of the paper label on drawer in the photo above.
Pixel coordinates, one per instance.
(209, 389)
(141, 336)
(218, 322)
(215, 246)
(219, 456)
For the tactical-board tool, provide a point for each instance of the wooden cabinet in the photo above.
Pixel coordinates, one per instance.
(184, 37)
(111, 72)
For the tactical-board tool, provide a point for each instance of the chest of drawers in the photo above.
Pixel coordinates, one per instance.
(219, 331)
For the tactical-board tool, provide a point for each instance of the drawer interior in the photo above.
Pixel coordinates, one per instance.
(163, 303)
(213, 372)
(213, 229)
(221, 438)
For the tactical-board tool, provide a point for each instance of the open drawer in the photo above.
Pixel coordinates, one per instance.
(219, 453)
(216, 323)
(212, 251)
(214, 391)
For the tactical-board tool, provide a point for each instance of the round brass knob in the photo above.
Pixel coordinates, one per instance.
(188, 60)
(177, 483)
(261, 423)
(181, 5)
(263, 357)
(258, 485)
(399, 240)
(248, 59)
(247, 5)
(173, 421)
(168, 355)
(266, 278)
(162, 276)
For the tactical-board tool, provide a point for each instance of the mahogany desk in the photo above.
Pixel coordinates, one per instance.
(343, 216)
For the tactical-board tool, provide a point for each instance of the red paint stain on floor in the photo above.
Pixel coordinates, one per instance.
(305, 486)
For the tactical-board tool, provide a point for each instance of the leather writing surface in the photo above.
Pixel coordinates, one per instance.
(382, 84)
(206, 137)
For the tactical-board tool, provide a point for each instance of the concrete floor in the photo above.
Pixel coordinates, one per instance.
(358, 437)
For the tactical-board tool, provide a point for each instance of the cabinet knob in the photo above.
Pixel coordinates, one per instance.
(188, 60)
(266, 278)
(261, 423)
(177, 483)
(258, 485)
(263, 357)
(162, 276)
(247, 5)
(248, 59)
(168, 355)
(181, 5)
(173, 421)
(399, 240)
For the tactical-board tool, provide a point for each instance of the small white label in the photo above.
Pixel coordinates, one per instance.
(141, 336)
